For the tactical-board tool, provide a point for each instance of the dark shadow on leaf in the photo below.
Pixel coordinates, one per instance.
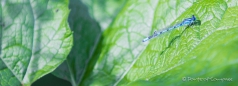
(197, 22)
(92, 62)
(86, 36)
(51, 80)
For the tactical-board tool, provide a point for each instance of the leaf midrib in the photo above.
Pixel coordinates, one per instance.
(137, 56)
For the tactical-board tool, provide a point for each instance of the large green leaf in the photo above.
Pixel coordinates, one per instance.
(206, 50)
(35, 39)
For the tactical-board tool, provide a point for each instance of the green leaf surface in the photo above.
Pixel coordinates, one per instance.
(6, 76)
(104, 11)
(206, 50)
(87, 33)
(35, 39)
